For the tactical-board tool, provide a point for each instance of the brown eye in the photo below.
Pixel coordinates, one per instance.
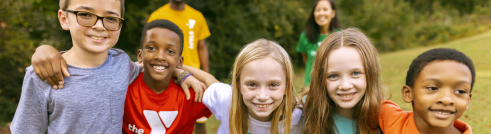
(85, 14)
(432, 88)
(461, 91)
(112, 19)
(151, 48)
(170, 51)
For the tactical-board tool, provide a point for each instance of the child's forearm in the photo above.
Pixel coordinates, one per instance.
(201, 75)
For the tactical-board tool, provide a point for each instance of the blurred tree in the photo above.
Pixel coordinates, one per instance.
(23, 25)
(463, 6)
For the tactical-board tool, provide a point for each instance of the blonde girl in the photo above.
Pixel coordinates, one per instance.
(260, 99)
(346, 89)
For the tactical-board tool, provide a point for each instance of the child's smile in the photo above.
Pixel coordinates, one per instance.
(346, 96)
(442, 113)
(159, 67)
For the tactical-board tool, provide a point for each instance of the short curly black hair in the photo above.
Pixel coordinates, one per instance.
(162, 23)
(437, 54)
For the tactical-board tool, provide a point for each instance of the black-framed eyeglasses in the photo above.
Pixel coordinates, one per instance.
(89, 19)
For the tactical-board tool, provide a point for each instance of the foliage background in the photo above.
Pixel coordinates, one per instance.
(391, 24)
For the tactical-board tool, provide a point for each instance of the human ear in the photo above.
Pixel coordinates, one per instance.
(140, 56)
(179, 63)
(63, 20)
(469, 101)
(407, 94)
(333, 14)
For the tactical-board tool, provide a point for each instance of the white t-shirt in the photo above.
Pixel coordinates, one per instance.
(218, 98)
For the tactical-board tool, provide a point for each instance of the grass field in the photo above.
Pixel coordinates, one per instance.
(395, 65)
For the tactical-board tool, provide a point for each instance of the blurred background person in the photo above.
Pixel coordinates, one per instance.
(322, 21)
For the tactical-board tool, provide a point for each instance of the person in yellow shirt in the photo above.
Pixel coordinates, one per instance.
(194, 27)
(195, 30)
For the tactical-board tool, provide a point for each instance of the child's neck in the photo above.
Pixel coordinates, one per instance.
(177, 6)
(158, 86)
(346, 113)
(79, 57)
(425, 128)
(324, 30)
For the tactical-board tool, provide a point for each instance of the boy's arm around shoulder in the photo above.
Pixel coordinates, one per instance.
(49, 65)
(31, 115)
(201, 75)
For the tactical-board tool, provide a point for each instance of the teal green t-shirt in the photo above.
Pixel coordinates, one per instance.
(344, 125)
(304, 46)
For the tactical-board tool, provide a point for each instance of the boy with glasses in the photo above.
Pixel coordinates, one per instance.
(93, 97)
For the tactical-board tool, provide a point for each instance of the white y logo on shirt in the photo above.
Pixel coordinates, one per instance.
(156, 125)
(191, 23)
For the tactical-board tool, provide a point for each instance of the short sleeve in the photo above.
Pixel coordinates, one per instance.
(204, 32)
(218, 98)
(31, 115)
(302, 43)
(389, 114)
(135, 70)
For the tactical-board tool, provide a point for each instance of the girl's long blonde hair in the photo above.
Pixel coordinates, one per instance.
(239, 116)
(319, 107)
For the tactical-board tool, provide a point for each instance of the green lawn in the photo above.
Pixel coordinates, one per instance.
(395, 65)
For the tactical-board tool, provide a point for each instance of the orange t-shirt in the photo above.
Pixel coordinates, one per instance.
(193, 26)
(169, 112)
(393, 120)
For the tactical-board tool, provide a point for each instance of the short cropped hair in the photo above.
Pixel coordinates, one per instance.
(162, 23)
(64, 6)
(437, 54)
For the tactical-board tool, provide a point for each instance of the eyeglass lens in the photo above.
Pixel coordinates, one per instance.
(89, 19)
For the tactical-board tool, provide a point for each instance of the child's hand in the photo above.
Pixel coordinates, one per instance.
(140, 63)
(197, 86)
(49, 65)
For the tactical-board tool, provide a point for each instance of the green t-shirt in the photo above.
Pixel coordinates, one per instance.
(304, 46)
(344, 125)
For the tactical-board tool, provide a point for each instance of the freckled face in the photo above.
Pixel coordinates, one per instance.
(262, 85)
(441, 93)
(346, 80)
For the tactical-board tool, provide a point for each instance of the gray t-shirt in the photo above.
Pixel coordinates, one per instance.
(92, 100)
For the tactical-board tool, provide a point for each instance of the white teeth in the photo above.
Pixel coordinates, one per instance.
(442, 112)
(96, 38)
(159, 67)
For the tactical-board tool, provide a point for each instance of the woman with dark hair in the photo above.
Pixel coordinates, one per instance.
(322, 21)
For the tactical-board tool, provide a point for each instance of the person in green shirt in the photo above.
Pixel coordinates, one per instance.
(322, 21)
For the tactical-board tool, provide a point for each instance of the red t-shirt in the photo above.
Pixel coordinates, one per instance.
(168, 112)
(393, 120)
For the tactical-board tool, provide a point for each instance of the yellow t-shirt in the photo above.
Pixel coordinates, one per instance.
(193, 26)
